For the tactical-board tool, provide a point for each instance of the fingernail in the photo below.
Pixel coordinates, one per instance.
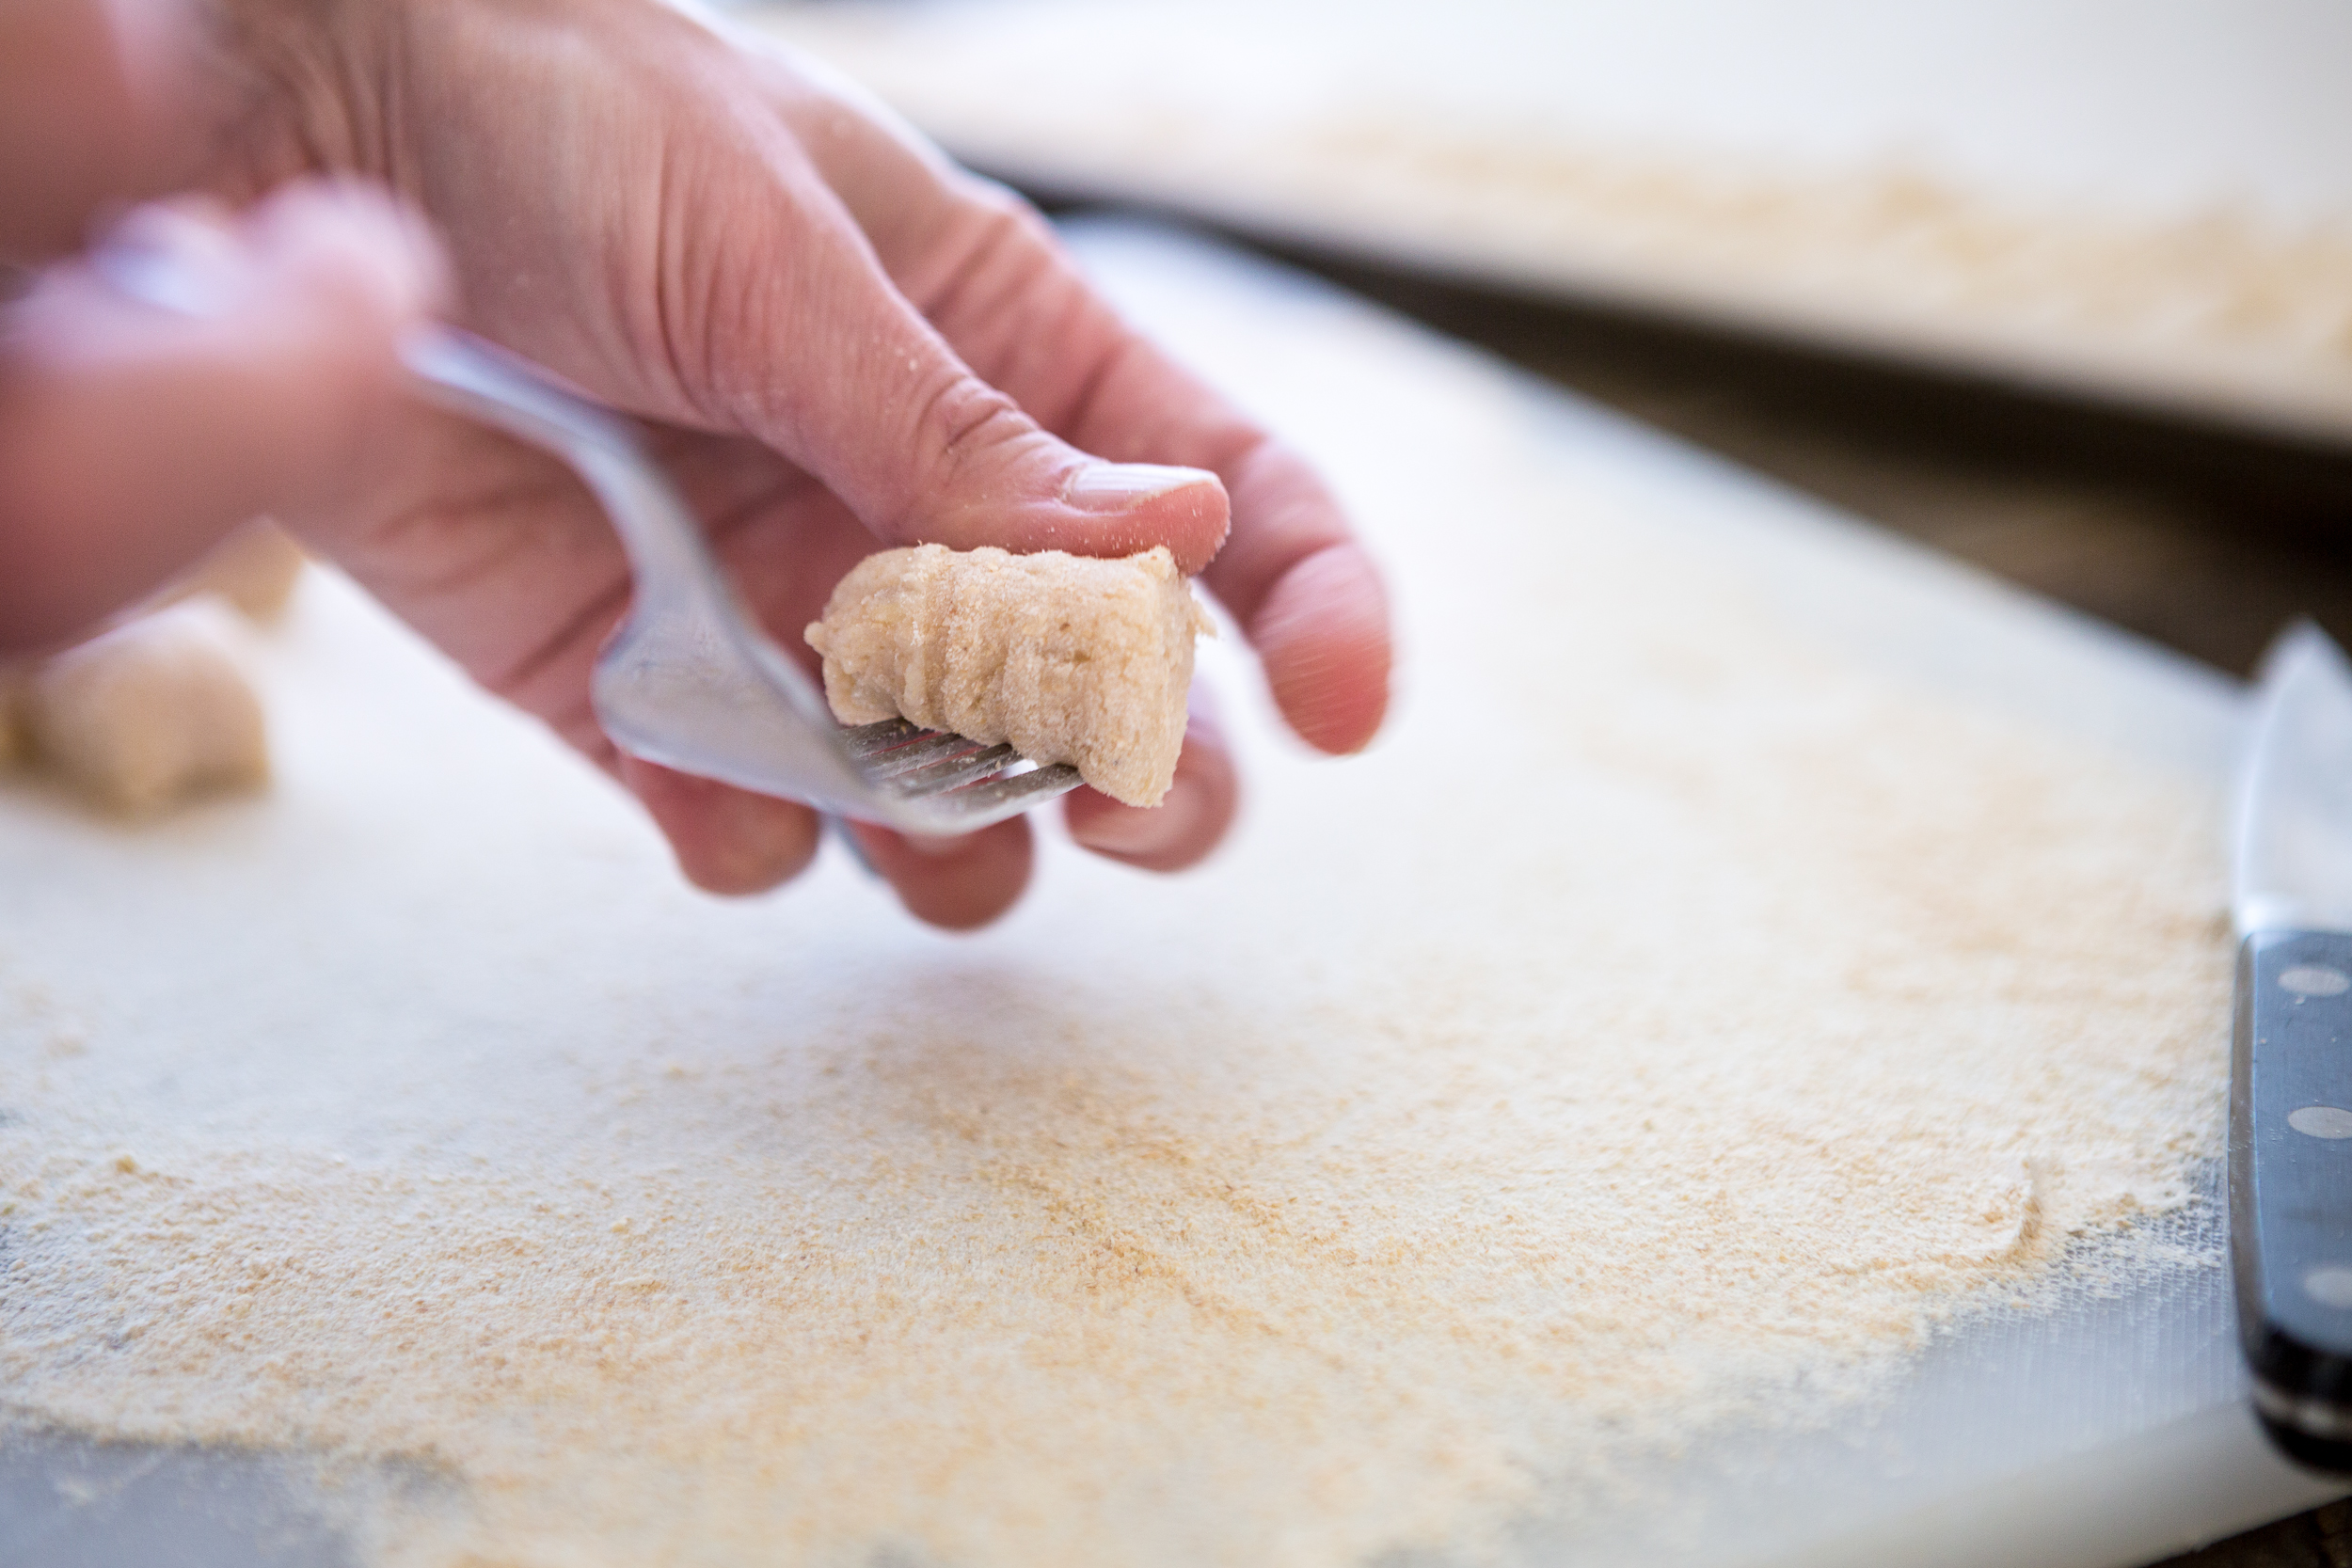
(936, 844)
(354, 237)
(1117, 487)
(172, 262)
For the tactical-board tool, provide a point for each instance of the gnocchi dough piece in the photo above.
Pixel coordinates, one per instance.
(254, 568)
(1070, 658)
(12, 744)
(154, 711)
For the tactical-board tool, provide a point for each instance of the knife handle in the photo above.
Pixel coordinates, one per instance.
(2291, 1187)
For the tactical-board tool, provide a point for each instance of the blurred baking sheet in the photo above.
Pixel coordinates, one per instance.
(2145, 203)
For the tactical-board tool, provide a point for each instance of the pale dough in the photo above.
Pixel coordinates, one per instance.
(153, 712)
(254, 568)
(1069, 658)
(159, 709)
(12, 679)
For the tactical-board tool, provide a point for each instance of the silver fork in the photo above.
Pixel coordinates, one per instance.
(688, 680)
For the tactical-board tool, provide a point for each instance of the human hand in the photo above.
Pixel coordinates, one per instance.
(132, 437)
(842, 341)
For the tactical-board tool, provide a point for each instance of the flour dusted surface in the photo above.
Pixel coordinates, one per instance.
(1752, 1011)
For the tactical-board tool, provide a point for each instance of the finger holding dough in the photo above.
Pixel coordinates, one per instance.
(999, 284)
(1309, 599)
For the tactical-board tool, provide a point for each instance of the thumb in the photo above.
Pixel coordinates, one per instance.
(923, 450)
(194, 372)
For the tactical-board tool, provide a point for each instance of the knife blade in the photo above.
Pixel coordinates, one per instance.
(2291, 1069)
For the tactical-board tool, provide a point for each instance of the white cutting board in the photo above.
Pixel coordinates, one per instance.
(417, 825)
(2147, 202)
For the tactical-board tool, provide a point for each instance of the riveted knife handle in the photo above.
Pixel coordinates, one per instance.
(2291, 1187)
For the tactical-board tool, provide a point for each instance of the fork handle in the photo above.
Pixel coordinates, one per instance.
(472, 376)
(469, 375)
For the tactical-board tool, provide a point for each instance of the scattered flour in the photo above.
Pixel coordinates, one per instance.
(1463, 1139)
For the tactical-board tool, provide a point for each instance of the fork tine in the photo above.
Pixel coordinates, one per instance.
(915, 755)
(948, 776)
(865, 740)
(934, 778)
(999, 798)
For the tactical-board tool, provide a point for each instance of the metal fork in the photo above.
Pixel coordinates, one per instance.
(688, 680)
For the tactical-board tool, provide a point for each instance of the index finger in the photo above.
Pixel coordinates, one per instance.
(990, 274)
(99, 103)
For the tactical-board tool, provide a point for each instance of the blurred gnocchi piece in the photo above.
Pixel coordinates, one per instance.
(12, 682)
(254, 569)
(161, 709)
